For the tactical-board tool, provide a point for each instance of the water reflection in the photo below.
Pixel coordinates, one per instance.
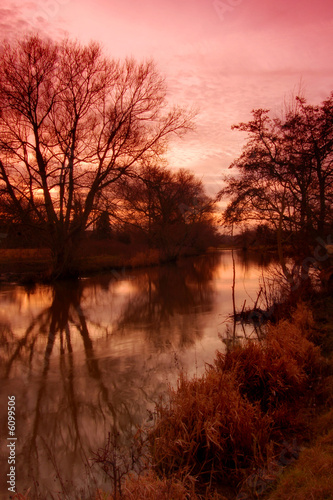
(83, 357)
(165, 300)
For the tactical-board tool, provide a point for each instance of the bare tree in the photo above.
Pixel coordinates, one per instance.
(169, 207)
(72, 123)
(285, 173)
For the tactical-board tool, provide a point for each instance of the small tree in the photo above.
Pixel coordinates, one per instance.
(169, 207)
(72, 123)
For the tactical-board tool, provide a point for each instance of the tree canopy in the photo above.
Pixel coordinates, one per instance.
(72, 123)
(169, 207)
(285, 172)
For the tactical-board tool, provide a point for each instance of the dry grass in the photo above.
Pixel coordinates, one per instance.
(100, 262)
(91, 257)
(24, 254)
(29, 264)
(150, 257)
(278, 372)
(96, 263)
(222, 423)
(151, 487)
(208, 428)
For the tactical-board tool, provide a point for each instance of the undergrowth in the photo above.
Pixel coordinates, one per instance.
(233, 419)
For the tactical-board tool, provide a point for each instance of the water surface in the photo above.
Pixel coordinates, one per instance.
(86, 357)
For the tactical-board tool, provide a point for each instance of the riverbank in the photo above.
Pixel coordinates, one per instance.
(30, 265)
(64, 305)
(311, 475)
(258, 424)
(34, 265)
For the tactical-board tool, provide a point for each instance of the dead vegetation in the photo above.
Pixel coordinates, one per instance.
(234, 419)
(150, 487)
(278, 369)
(208, 428)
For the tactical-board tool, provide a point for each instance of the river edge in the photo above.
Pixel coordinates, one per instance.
(300, 459)
(311, 475)
(32, 266)
(28, 266)
(322, 307)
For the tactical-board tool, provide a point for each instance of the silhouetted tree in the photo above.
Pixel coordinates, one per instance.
(169, 207)
(72, 123)
(285, 173)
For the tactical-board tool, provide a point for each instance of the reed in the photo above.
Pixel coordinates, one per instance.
(208, 428)
(224, 423)
(150, 487)
(281, 369)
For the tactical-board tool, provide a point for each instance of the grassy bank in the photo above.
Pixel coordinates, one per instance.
(311, 475)
(35, 264)
(258, 424)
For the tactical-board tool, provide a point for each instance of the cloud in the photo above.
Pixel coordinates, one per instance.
(255, 55)
(44, 17)
(258, 58)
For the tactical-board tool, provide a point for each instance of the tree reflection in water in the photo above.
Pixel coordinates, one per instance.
(166, 300)
(91, 356)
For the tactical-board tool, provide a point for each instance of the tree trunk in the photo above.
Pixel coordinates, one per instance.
(64, 261)
(280, 251)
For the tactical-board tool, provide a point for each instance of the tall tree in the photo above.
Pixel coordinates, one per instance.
(285, 173)
(72, 123)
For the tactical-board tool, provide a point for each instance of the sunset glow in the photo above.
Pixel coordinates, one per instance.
(224, 58)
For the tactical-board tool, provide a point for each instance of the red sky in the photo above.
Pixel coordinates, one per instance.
(224, 57)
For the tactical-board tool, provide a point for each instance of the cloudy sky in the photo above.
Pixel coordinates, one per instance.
(224, 57)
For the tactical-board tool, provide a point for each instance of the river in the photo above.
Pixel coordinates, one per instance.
(86, 357)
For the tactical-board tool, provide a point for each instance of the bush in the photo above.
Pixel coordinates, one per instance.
(208, 428)
(278, 370)
(224, 422)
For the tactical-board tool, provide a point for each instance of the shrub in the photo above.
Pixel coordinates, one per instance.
(208, 428)
(278, 370)
(223, 422)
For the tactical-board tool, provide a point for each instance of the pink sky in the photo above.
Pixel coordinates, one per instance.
(224, 57)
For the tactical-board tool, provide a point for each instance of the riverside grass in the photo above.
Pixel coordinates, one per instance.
(277, 371)
(36, 264)
(150, 487)
(311, 477)
(232, 420)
